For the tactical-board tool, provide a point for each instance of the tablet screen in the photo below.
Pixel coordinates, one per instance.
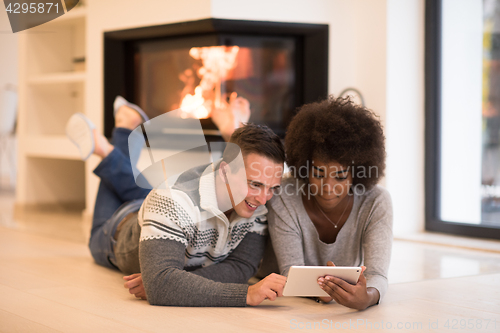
(303, 280)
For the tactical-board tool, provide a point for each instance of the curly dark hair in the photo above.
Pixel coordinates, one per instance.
(337, 130)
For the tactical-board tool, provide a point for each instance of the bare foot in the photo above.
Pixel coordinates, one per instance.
(102, 146)
(127, 117)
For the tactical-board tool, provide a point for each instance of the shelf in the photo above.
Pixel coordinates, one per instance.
(50, 167)
(63, 77)
(51, 146)
(53, 49)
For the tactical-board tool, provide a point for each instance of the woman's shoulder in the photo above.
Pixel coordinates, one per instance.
(290, 191)
(377, 192)
(288, 201)
(377, 200)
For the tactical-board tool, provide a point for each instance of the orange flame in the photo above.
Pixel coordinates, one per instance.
(217, 62)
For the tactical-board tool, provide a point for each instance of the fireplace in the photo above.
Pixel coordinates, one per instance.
(196, 66)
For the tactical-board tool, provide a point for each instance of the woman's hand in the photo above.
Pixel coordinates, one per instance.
(353, 296)
(135, 286)
(327, 299)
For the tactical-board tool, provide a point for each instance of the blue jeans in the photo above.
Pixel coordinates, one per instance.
(118, 195)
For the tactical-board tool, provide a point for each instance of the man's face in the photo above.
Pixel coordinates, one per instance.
(263, 178)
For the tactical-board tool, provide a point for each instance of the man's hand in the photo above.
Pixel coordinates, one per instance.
(135, 286)
(353, 296)
(268, 288)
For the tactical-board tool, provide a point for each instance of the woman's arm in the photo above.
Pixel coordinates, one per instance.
(285, 237)
(376, 245)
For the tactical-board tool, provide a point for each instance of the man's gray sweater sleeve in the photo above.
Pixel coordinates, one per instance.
(240, 265)
(167, 283)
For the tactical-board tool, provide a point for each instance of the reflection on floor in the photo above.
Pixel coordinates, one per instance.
(416, 261)
(411, 260)
(58, 224)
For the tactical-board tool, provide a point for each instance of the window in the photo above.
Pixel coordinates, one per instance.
(463, 117)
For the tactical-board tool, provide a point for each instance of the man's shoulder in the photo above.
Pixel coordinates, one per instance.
(174, 204)
(189, 183)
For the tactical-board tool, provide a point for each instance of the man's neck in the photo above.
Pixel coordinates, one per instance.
(223, 200)
(228, 213)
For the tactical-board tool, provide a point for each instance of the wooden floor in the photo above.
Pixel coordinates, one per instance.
(48, 282)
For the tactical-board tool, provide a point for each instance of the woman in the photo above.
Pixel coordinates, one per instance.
(331, 208)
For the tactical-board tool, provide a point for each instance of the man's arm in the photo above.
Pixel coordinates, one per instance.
(240, 265)
(166, 283)
(171, 285)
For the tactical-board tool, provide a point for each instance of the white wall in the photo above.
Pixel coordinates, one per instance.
(405, 113)
(8, 75)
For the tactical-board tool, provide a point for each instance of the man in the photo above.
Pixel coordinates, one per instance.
(190, 252)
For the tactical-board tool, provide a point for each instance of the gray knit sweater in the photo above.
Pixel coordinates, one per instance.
(365, 238)
(190, 253)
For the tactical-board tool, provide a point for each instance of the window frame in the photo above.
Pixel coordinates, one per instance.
(433, 21)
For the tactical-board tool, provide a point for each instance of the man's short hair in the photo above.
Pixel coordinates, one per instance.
(257, 139)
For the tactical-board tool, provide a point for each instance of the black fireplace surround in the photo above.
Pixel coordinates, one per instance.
(308, 61)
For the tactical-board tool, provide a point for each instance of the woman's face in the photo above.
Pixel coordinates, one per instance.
(329, 183)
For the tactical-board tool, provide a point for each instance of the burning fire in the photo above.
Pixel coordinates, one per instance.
(217, 62)
(193, 105)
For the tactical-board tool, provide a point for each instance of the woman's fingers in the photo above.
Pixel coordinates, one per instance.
(330, 292)
(341, 284)
(335, 291)
(338, 290)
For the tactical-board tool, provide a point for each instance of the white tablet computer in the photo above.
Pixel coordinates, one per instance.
(303, 280)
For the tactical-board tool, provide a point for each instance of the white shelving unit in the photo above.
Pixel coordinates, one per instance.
(50, 91)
